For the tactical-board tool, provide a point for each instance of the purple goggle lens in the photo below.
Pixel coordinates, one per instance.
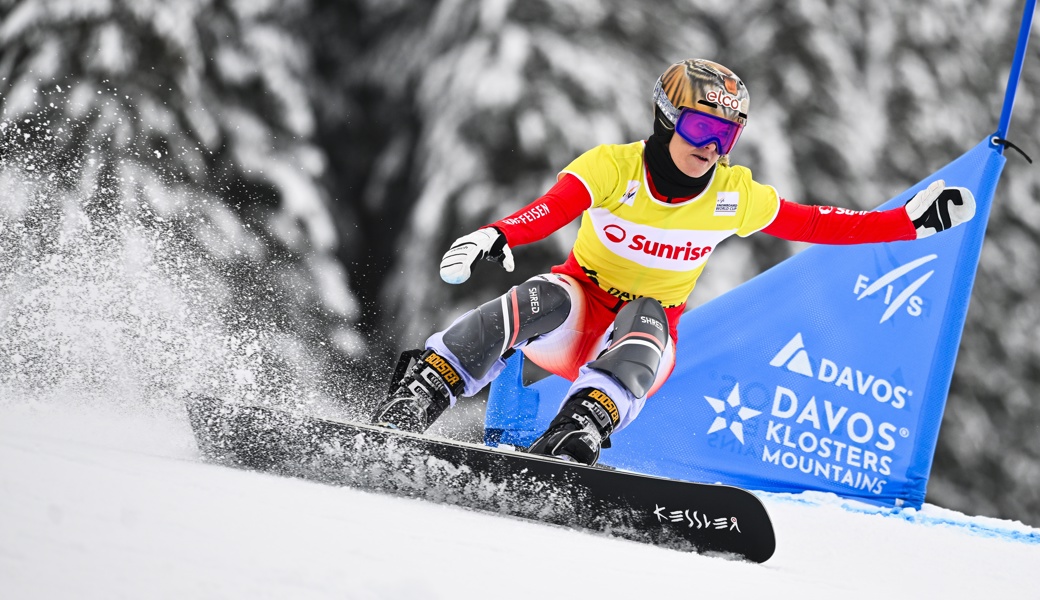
(701, 129)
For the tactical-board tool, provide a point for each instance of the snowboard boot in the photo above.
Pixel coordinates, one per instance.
(581, 428)
(419, 392)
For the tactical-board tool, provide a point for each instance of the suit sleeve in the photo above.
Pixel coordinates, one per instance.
(564, 202)
(832, 225)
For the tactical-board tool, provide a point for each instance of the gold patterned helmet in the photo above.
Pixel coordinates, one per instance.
(704, 86)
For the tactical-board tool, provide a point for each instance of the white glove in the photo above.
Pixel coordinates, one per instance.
(939, 207)
(486, 243)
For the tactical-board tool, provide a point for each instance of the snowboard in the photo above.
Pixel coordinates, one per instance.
(705, 518)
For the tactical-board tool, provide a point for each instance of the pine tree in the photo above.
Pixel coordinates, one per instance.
(189, 120)
(485, 102)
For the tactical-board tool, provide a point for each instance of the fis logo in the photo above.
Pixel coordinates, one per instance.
(864, 288)
(795, 358)
(743, 413)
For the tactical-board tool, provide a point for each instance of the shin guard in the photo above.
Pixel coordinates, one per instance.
(637, 343)
(482, 336)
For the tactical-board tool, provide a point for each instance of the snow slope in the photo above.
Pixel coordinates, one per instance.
(111, 502)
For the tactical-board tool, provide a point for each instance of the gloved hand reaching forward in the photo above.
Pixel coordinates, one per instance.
(488, 243)
(939, 207)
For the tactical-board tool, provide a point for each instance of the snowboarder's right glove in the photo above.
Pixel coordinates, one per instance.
(939, 207)
(488, 243)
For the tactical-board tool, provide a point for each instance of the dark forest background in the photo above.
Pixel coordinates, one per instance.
(313, 158)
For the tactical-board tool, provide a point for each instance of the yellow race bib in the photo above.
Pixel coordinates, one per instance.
(633, 245)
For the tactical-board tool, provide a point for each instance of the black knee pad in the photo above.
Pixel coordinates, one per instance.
(637, 343)
(483, 335)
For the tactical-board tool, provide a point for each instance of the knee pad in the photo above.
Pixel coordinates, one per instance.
(637, 343)
(483, 335)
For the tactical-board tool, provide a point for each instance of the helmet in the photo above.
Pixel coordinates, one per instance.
(704, 86)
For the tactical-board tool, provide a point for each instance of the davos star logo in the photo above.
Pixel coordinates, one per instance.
(743, 414)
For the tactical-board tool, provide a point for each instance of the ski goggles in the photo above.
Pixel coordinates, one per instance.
(701, 129)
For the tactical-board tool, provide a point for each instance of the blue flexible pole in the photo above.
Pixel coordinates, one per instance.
(1016, 72)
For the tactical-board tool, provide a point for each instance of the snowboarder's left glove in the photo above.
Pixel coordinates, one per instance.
(486, 243)
(939, 207)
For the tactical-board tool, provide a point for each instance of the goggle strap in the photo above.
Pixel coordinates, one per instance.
(662, 102)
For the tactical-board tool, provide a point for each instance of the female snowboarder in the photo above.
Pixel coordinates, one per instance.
(652, 213)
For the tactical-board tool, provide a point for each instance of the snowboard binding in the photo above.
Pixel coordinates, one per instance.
(422, 388)
(581, 428)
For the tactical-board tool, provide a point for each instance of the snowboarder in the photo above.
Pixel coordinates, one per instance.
(653, 212)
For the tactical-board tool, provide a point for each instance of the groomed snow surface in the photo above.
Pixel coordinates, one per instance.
(117, 503)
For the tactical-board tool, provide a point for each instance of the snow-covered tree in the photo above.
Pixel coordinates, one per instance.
(192, 120)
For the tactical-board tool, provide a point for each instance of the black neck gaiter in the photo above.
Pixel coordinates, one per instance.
(668, 180)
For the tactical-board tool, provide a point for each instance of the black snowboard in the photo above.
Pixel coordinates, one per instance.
(705, 518)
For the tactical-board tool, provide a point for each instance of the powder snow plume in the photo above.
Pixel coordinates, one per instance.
(108, 293)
